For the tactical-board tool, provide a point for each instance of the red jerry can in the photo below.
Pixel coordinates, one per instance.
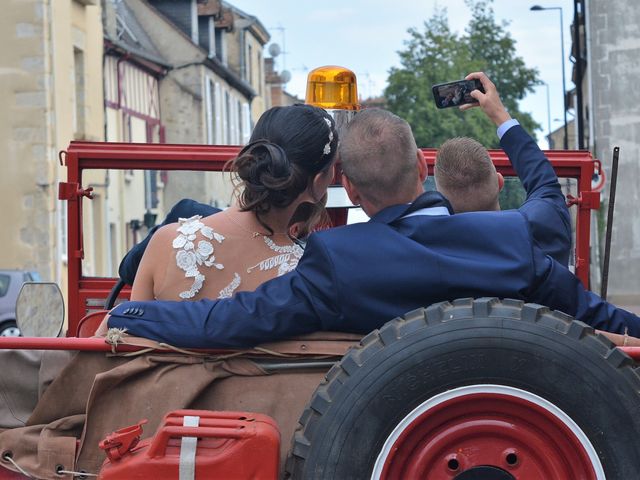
(196, 444)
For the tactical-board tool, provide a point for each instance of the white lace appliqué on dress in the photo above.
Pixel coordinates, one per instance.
(286, 260)
(227, 292)
(190, 256)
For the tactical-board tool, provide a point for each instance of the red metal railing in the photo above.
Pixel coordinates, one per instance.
(82, 156)
(99, 345)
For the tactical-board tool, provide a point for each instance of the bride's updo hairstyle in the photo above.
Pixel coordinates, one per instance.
(289, 146)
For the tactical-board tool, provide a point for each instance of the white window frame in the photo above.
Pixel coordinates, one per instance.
(194, 22)
(209, 96)
(212, 37)
(62, 231)
(246, 123)
(219, 114)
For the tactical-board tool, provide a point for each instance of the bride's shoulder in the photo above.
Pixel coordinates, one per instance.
(185, 228)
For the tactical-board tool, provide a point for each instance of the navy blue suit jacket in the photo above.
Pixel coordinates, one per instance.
(545, 207)
(357, 277)
(183, 209)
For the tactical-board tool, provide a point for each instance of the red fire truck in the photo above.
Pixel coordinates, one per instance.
(475, 388)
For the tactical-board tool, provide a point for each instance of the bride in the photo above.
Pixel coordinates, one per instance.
(287, 163)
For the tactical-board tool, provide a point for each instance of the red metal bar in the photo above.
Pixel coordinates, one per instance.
(567, 163)
(93, 344)
(70, 343)
(99, 345)
(74, 250)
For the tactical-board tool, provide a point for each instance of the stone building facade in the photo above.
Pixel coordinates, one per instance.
(214, 89)
(612, 100)
(51, 87)
(125, 202)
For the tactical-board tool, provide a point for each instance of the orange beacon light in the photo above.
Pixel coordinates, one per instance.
(332, 88)
(336, 90)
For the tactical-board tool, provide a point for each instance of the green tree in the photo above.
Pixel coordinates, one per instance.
(437, 55)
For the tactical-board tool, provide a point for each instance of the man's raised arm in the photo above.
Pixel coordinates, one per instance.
(545, 207)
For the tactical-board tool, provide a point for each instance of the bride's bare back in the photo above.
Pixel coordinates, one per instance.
(211, 257)
(288, 162)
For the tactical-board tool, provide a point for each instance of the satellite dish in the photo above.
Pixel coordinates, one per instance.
(285, 75)
(274, 50)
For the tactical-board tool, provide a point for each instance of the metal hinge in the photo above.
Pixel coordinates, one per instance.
(73, 190)
(590, 200)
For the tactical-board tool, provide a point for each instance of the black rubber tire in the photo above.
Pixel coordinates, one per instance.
(9, 325)
(469, 342)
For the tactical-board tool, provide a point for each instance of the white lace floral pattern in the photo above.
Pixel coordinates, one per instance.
(227, 292)
(286, 260)
(191, 256)
(193, 253)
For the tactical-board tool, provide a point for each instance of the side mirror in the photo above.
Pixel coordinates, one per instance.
(40, 309)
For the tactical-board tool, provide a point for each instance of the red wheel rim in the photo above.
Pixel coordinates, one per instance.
(515, 431)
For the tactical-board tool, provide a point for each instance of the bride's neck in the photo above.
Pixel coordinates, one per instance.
(276, 219)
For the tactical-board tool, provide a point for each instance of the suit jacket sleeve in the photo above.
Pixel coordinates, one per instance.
(545, 207)
(185, 208)
(299, 302)
(555, 286)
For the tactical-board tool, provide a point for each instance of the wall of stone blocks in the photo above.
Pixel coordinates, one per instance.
(25, 141)
(614, 66)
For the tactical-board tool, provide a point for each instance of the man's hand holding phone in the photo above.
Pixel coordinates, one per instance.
(489, 100)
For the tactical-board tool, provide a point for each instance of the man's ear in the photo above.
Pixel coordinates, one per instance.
(500, 181)
(423, 169)
(351, 189)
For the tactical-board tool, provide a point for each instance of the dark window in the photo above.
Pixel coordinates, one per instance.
(5, 280)
(221, 45)
(203, 34)
(151, 189)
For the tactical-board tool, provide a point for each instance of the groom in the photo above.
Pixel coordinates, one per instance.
(411, 254)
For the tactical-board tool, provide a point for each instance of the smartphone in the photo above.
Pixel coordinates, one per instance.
(454, 94)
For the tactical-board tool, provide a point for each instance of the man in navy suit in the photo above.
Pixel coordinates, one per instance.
(412, 253)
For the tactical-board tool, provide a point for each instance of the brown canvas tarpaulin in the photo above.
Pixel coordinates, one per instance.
(97, 394)
(41, 450)
(24, 377)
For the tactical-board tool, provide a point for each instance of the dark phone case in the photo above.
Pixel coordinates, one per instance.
(441, 91)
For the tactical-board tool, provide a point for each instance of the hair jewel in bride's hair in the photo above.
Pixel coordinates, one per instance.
(327, 147)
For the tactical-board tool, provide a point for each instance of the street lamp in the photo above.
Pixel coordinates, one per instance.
(537, 8)
(548, 116)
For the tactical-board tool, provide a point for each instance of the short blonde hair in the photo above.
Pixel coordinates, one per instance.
(465, 174)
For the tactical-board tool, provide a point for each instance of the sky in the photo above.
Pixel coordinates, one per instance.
(365, 36)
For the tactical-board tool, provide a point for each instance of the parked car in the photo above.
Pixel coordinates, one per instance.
(10, 283)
